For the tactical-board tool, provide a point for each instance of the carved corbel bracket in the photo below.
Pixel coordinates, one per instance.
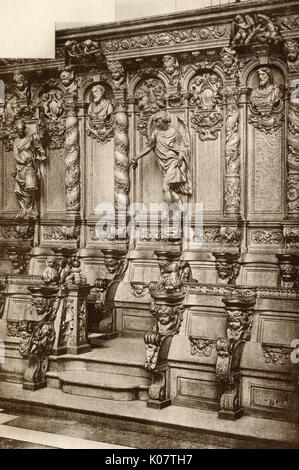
(173, 272)
(229, 352)
(228, 267)
(106, 286)
(20, 259)
(288, 270)
(36, 345)
(291, 237)
(167, 310)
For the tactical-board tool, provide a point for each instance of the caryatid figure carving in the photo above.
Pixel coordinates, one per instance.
(28, 153)
(171, 145)
(100, 107)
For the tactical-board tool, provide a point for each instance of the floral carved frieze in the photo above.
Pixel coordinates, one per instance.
(184, 36)
(267, 237)
(205, 91)
(201, 346)
(17, 232)
(70, 233)
(276, 354)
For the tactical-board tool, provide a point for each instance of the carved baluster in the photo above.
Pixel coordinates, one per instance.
(229, 353)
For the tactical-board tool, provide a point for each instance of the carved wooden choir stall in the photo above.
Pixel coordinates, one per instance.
(200, 109)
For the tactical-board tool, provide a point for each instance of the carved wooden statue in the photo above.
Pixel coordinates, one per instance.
(28, 153)
(172, 146)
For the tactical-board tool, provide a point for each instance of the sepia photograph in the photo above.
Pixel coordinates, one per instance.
(149, 227)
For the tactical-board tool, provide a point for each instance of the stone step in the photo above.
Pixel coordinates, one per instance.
(102, 385)
(117, 356)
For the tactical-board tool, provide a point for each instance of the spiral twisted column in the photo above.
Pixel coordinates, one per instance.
(72, 158)
(121, 161)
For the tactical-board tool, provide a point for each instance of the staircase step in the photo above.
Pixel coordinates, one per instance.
(117, 356)
(102, 385)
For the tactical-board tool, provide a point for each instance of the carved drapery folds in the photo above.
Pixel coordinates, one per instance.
(229, 352)
(106, 285)
(167, 296)
(206, 97)
(293, 160)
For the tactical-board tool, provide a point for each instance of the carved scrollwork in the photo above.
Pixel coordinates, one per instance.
(183, 36)
(85, 51)
(52, 110)
(267, 237)
(206, 96)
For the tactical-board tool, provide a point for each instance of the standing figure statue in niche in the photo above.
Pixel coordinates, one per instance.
(28, 153)
(100, 107)
(172, 148)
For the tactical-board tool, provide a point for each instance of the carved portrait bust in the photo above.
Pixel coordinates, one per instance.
(100, 107)
(267, 94)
